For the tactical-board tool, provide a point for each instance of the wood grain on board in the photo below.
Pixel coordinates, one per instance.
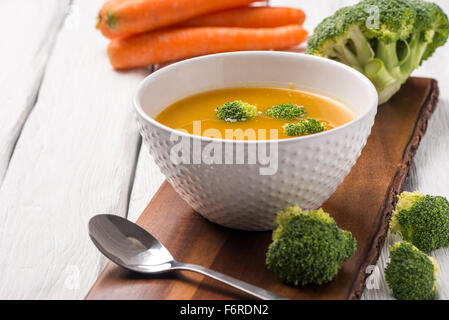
(362, 204)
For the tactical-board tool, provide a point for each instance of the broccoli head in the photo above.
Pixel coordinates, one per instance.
(303, 127)
(422, 220)
(411, 274)
(384, 39)
(236, 111)
(286, 111)
(308, 247)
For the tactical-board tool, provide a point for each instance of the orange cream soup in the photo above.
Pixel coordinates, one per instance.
(185, 114)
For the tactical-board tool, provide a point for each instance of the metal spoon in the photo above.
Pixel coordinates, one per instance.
(133, 248)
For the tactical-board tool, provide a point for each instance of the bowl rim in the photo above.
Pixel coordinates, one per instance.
(357, 119)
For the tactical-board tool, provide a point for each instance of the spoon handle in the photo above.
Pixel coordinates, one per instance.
(238, 284)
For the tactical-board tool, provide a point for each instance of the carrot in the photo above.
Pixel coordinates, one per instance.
(249, 17)
(128, 17)
(174, 44)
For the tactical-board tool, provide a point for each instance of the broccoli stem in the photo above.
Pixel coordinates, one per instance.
(390, 91)
(355, 51)
(386, 84)
(389, 70)
(389, 82)
(392, 63)
(385, 71)
(417, 47)
(387, 52)
(362, 47)
(344, 55)
(377, 72)
(390, 66)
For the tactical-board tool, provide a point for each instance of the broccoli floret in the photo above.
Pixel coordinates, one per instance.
(422, 220)
(286, 111)
(303, 127)
(236, 111)
(411, 274)
(308, 247)
(384, 39)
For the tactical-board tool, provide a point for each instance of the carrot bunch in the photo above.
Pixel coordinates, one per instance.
(146, 32)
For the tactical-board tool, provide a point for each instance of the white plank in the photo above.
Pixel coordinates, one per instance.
(27, 31)
(74, 159)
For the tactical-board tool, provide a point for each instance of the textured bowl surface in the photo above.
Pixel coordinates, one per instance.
(303, 171)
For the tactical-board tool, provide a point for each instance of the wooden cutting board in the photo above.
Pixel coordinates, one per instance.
(362, 204)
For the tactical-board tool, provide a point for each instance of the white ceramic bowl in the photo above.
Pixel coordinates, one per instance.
(310, 168)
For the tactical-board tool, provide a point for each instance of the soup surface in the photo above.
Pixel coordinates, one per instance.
(197, 114)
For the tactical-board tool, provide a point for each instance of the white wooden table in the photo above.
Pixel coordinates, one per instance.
(70, 148)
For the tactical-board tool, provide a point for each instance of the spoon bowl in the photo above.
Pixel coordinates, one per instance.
(128, 245)
(133, 248)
